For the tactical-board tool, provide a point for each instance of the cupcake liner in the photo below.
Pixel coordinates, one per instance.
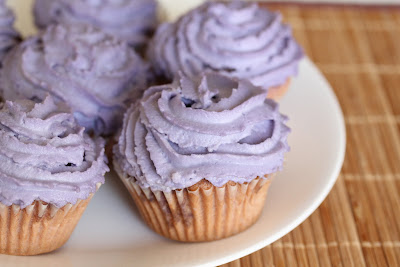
(38, 228)
(277, 92)
(202, 212)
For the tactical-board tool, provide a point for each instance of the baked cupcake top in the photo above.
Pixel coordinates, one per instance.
(131, 21)
(8, 35)
(45, 155)
(213, 128)
(236, 39)
(96, 74)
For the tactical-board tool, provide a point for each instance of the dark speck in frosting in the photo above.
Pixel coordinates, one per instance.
(178, 135)
(42, 155)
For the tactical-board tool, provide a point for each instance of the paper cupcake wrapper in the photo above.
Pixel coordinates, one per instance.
(201, 212)
(277, 92)
(38, 228)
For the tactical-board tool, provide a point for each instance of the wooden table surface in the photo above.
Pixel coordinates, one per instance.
(358, 50)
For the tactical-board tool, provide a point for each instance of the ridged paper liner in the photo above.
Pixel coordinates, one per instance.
(202, 212)
(277, 92)
(38, 228)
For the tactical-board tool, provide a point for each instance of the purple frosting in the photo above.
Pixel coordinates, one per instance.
(237, 39)
(45, 155)
(97, 75)
(210, 127)
(132, 21)
(8, 36)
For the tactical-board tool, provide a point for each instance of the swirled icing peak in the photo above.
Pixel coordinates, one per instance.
(45, 155)
(131, 21)
(237, 39)
(96, 74)
(8, 36)
(210, 127)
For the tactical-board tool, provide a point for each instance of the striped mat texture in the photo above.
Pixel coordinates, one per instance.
(358, 50)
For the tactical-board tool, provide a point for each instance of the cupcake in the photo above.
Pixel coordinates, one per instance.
(49, 171)
(198, 156)
(236, 39)
(97, 75)
(131, 21)
(8, 36)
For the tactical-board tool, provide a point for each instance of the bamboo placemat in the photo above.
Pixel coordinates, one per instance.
(358, 50)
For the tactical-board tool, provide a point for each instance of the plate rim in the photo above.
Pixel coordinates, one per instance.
(321, 197)
(239, 253)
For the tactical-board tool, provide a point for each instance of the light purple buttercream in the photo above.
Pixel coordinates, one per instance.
(8, 35)
(213, 128)
(45, 155)
(97, 75)
(237, 39)
(132, 21)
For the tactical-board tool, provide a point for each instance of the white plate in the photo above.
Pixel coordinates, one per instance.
(111, 232)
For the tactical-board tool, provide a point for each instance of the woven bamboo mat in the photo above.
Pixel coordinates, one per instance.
(358, 50)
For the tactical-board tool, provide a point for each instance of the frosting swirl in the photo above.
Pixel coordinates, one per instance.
(8, 36)
(94, 73)
(211, 127)
(131, 21)
(45, 155)
(236, 39)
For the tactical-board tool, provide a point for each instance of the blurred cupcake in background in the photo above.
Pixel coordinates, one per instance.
(9, 37)
(237, 39)
(94, 73)
(131, 21)
(49, 171)
(198, 155)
